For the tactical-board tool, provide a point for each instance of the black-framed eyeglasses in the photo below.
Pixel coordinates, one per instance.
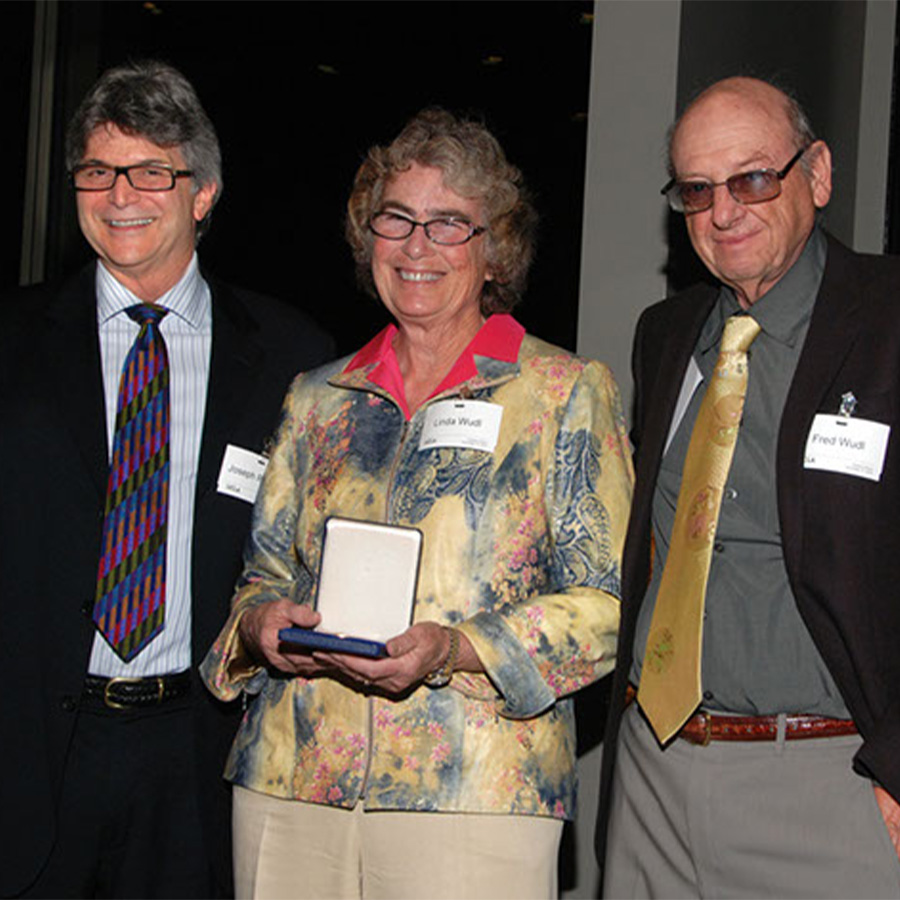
(142, 177)
(690, 197)
(449, 230)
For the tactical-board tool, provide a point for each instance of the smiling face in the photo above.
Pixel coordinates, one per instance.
(737, 126)
(420, 282)
(145, 239)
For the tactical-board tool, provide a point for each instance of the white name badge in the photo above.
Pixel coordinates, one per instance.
(462, 423)
(241, 473)
(847, 445)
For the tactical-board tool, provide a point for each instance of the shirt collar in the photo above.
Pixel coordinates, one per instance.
(499, 338)
(782, 312)
(188, 298)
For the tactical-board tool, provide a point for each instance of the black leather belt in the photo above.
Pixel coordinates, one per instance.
(129, 693)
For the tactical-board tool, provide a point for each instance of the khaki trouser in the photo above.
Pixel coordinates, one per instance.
(288, 849)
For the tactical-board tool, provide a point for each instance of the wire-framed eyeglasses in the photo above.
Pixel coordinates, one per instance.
(756, 186)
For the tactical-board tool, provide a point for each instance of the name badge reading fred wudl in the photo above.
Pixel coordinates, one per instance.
(472, 424)
(850, 446)
(241, 473)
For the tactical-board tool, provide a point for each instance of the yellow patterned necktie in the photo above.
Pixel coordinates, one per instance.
(670, 677)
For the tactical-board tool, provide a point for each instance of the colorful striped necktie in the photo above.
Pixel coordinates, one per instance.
(129, 607)
(670, 677)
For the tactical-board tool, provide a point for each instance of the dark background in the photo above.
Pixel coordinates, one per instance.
(299, 91)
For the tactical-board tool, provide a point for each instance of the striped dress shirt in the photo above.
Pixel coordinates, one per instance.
(187, 331)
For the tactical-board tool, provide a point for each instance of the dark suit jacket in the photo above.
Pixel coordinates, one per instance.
(841, 534)
(53, 456)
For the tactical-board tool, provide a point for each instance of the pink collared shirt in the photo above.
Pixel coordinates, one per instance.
(499, 338)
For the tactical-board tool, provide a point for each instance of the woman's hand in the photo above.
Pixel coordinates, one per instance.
(412, 655)
(259, 629)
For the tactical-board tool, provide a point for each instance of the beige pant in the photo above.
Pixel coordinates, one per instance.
(284, 849)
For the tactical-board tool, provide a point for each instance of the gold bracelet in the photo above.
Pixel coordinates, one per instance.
(441, 676)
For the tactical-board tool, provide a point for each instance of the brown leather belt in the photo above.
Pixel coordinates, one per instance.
(703, 727)
(128, 693)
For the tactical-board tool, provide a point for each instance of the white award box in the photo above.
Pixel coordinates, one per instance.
(367, 587)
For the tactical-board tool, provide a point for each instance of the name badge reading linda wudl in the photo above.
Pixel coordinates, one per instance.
(847, 445)
(241, 473)
(472, 424)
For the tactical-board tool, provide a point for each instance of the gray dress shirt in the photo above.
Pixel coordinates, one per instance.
(758, 656)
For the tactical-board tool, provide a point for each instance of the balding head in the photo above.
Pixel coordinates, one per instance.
(772, 97)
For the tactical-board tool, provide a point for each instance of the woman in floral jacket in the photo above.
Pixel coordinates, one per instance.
(446, 768)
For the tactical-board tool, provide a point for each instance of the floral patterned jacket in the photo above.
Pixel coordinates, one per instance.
(521, 552)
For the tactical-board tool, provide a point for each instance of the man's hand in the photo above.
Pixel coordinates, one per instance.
(259, 629)
(890, 812)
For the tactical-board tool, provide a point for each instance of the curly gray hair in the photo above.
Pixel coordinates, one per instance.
(474, 166)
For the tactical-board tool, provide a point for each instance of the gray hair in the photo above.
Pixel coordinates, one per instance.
(473, 165)
(152, 100)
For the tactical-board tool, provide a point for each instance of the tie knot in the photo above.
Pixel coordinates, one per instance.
(739, 333)
(146, 313)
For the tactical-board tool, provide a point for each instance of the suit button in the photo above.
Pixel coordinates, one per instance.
(68, 703)
(87, 608)
(719, 547)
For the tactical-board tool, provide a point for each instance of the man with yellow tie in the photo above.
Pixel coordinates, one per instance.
(753, 745)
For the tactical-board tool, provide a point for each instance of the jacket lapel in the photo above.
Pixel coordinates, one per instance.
(660, 368)
(674, 351)
(832, 332)
(73, 373)
(234, 367)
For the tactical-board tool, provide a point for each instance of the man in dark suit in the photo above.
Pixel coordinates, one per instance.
(111, 759)
(771, 768)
